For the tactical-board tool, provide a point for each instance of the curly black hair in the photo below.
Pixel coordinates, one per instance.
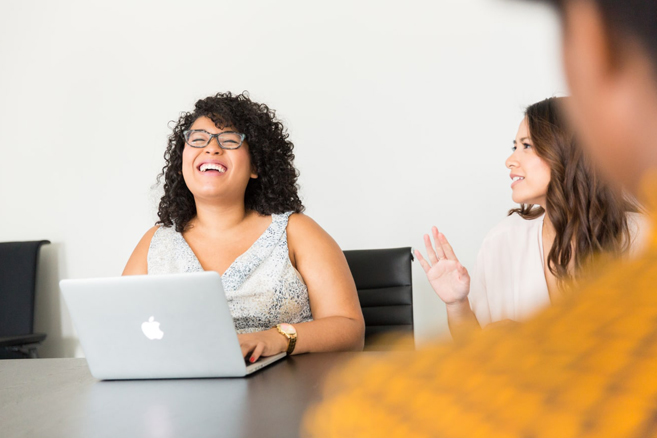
(275, 190)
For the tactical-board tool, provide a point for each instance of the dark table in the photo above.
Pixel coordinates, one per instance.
(60, 398)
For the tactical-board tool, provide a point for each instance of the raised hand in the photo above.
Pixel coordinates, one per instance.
(448, 278)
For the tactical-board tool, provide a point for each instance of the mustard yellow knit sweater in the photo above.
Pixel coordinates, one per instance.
(584, 368)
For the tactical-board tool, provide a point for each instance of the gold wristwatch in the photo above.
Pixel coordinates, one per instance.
(290, 333)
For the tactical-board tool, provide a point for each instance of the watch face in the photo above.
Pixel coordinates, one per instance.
(289, 329)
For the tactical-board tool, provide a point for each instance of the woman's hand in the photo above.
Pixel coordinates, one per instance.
(265, 343)
(448, 278)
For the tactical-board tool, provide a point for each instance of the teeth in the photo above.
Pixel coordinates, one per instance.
(517, 178)
(212, 166)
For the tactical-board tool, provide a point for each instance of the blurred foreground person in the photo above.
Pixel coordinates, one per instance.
(585, 367)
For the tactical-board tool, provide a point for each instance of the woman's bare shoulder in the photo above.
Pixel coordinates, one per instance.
(303, 227)
(138, 262)
(302, 221)
(305, 236)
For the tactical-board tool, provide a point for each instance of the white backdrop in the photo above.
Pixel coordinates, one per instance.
(87, 91)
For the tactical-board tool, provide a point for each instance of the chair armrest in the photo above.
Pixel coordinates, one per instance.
(11, 341)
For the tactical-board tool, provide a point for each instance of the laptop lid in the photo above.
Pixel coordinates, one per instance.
(156, 326)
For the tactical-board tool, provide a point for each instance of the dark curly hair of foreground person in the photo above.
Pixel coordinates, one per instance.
(275, 190)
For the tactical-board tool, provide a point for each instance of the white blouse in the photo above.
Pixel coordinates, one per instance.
(508, 281)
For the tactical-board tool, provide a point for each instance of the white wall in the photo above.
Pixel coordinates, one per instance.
(86, 92)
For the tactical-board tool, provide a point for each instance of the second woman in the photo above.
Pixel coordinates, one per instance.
(567, 216)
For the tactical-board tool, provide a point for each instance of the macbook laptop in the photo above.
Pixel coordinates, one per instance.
(157, 327)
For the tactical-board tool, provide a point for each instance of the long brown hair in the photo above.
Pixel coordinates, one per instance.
(589, 216)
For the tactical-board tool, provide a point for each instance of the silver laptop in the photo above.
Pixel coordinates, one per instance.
(157, 327)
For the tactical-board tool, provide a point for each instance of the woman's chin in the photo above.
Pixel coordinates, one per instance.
(523, 200)
(209, 195)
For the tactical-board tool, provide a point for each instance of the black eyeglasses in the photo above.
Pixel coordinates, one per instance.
(198, 138)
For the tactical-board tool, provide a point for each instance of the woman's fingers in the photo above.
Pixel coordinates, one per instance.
(257, 352)
(434, 254)
(246, 348)
(439, 249)
(433, 258)
(247, 344)
(446, 247)
(443, 250)
(425, 265)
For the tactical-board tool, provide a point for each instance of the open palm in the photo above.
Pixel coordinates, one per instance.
(448, 278)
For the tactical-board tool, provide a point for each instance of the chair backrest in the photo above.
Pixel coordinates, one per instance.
(18, 268)
(385, 289)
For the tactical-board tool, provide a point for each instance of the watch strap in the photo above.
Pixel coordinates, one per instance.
(291, 339)
(291, 343)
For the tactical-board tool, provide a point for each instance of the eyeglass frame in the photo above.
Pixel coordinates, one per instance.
(186, 132)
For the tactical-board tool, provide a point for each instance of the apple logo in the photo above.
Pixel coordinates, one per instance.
(151, 329)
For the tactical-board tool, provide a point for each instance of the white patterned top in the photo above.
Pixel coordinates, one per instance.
(262, 287)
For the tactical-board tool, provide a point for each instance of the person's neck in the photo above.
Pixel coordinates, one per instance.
(548, 228)
(219, 217)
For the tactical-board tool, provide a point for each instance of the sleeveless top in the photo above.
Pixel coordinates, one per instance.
(262, 287)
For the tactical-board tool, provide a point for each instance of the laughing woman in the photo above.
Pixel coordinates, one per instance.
(567, 216)
(231, 205)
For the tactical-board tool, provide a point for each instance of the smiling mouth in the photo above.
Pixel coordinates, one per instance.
(516, 180)
(212, 167)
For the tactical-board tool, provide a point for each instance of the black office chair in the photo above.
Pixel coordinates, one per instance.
(385, 289)
(18, 269)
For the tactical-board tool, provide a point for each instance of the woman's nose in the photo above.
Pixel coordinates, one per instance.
(511, 162)
(213, 147)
